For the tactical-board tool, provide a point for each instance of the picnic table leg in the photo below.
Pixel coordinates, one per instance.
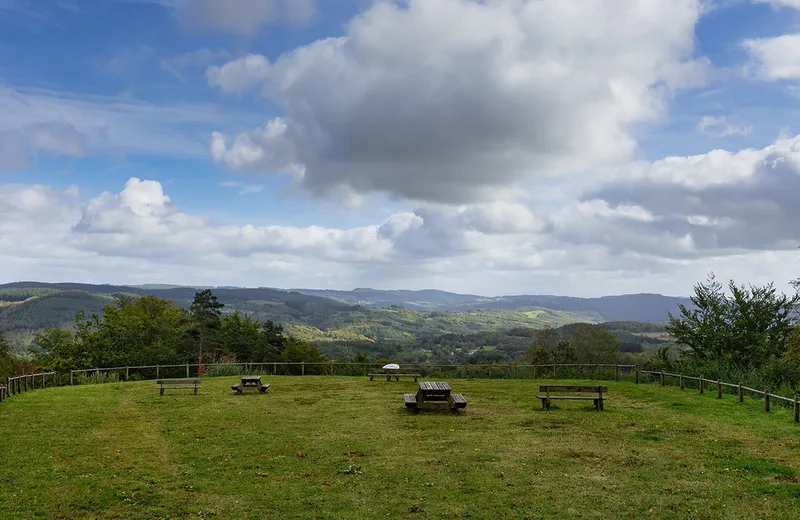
(195, 389)
(161, 390)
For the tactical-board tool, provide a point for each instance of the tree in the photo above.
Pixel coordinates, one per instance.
(595, 344)
(749, 328)
(205, 311)
(6, 358)
(241, 336)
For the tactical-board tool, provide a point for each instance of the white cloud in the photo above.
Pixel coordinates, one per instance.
(776, 58)
(244, 17)
(721, 127)
(781, 3)
(658, 231)
(452, 100)
(19, 146)
(239, 74)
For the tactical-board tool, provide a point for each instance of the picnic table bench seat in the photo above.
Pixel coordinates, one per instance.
(178, 383)
(458, 401)
(410, 399)
(597, 390)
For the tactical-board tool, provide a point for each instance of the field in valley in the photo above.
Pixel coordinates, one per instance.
(337, 447)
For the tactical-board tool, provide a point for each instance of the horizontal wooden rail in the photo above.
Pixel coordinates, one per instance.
(741, 389)
(17, 384)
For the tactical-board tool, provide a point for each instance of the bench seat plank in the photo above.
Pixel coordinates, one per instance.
(410, 400)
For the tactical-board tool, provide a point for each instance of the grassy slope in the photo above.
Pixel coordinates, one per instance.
(122, 451)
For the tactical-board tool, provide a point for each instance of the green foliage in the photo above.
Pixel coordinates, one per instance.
(749, 328)
(595, 345)
(6, 358)
(151, 331)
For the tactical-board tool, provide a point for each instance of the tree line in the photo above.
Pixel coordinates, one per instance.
(745, 334)
(147, 330)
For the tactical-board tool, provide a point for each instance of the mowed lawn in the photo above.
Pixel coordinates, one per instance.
(337, 447)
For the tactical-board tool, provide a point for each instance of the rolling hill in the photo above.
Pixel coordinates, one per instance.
(362, 316)
(648, 308)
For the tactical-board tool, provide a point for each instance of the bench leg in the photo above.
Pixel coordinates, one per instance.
(195, 390)
(161, 390)
(415, 379)
(371, 378)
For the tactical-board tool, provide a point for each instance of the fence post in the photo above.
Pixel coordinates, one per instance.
(741, 393)
(701, 383)
(515, 370)
(766, 400)
(331, 367)
(616, 378)
(681, 380)
(274, 368)
(796, 409)
(534, 371)
(662, 378)
(158, 372)
(43, 382)
(637, 374)
(554, 371)
(25, 383)
(719, 389)
(187, 370)
(8, 387)
(97, 375)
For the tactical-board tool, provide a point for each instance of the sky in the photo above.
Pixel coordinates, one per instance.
(570, 147)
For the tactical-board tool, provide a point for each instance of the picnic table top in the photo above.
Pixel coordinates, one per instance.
(434, 386)
(251, 378)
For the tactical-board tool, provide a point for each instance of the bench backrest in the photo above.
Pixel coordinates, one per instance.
(178, 382)
(572, 388)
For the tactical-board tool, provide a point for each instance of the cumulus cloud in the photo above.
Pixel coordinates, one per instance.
(715, 204)
(453, 100)
(776, 58)
(244, 17)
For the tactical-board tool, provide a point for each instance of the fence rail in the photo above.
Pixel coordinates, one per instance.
(17, 384)
(505, 371)
(740, 389)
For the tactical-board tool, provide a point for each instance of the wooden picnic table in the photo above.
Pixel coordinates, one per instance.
(434, 391)
(253, 382)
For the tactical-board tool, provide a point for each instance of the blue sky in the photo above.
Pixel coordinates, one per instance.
(453, 144)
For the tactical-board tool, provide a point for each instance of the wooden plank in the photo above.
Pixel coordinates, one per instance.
(571, 397)
(575, 388)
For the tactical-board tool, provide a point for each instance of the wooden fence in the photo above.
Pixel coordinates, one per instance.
(23, 383)
(740, 390)
(505, 371)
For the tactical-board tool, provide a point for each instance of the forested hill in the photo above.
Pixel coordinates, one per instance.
(325, 318)
(648, 308)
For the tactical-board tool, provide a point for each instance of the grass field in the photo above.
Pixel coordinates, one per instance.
(335, 447)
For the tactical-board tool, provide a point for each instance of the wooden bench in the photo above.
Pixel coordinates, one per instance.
(178, 383)
(396, 377)
(598, 390)
(239, 387)
(458, 401)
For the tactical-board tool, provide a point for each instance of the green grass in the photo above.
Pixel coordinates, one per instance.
(335, 447)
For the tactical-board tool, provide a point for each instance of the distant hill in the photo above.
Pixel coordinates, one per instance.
(650, 308)
(27, 307)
